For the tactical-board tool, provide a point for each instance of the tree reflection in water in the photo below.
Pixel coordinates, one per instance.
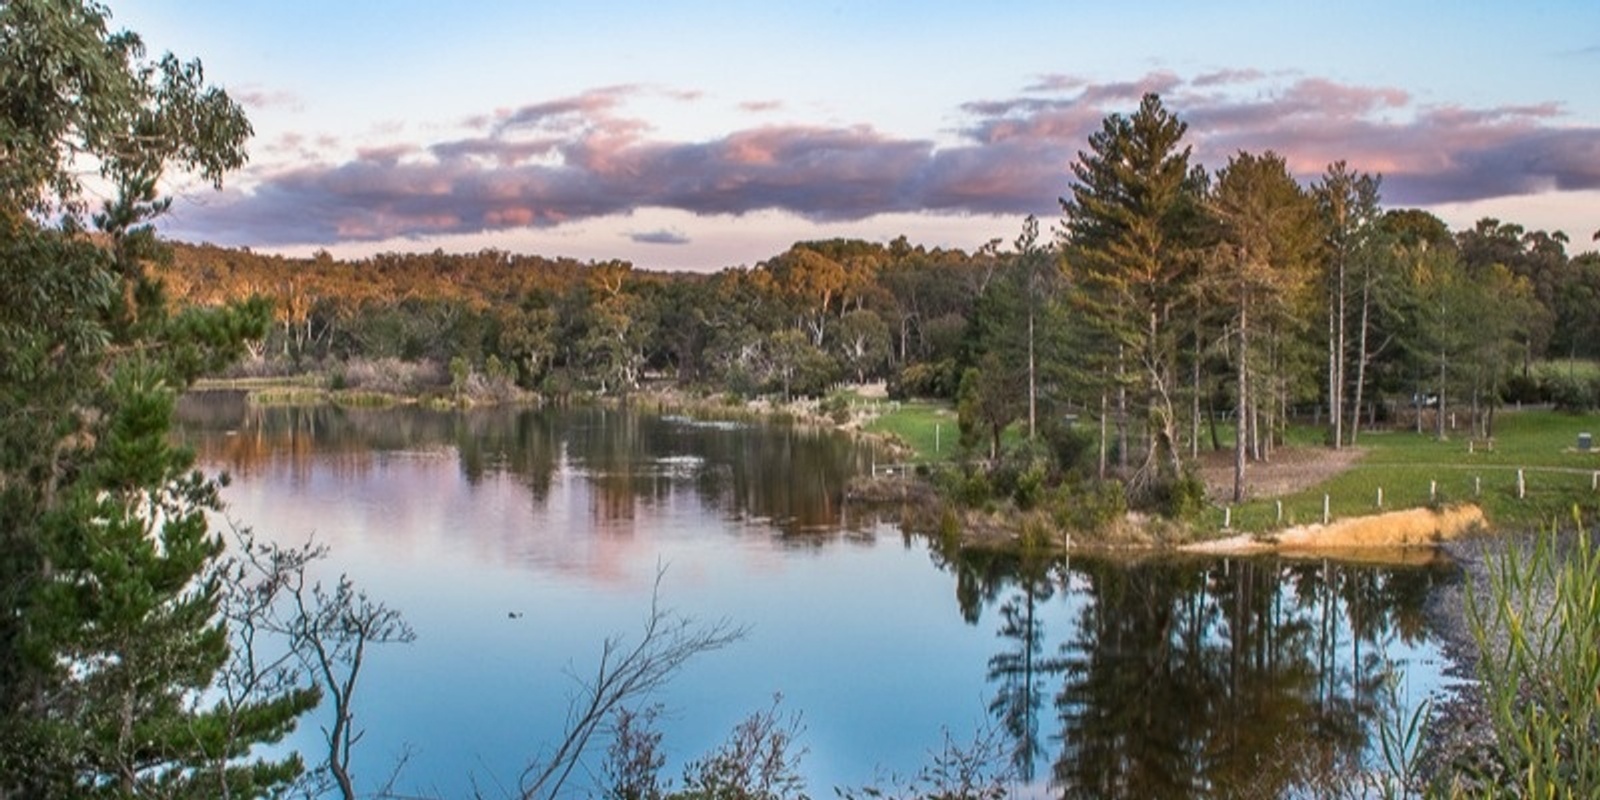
(1188, 677)
(1150, 678)
(790, 476)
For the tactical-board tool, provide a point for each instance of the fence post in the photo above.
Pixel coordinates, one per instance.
(1280, 512)
(1325, 509)
(1433, 491)
(1522, 484)
(1380, 497)
(1227, 517)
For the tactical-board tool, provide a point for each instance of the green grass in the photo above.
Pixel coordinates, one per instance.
(1405, 465)
(287, 396)
(1580, 369)
(928, 427)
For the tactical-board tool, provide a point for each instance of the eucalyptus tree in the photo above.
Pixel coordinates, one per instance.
(1132, 266)
(111, 633)
(618, 324)
(1539, 258)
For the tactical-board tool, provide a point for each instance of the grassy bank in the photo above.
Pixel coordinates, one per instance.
(1412, 470)
(928, 428)
(1417, 470)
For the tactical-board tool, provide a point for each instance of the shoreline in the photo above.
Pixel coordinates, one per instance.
(1403, 536)
(1408, 529)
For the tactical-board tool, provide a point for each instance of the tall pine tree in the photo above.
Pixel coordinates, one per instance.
(1129, 228)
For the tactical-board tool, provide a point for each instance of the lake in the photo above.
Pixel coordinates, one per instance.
(517, 541)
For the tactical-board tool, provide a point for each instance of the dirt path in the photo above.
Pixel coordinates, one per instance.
(1290, 470)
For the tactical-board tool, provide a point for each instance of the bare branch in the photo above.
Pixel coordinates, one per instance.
(623, 675)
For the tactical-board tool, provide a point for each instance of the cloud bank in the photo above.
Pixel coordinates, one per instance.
(587, 156)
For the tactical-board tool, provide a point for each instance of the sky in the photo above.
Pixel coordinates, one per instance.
(703, 135)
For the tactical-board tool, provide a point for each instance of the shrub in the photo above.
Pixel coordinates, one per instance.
(1088, 506)
(836, 407)
(392, 375)
(1572, 393)
(1520, 388)
(925, 379)
(1074, 449)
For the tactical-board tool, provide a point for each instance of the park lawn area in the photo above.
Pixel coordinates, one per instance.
(1416, 470)
(929, 427)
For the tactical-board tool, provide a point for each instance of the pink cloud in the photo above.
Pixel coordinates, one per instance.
(261, 98)
(586, 156)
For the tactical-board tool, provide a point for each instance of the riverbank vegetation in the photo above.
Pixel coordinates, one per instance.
(1173, 309)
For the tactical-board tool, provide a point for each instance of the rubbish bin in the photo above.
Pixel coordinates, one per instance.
(1585, 442)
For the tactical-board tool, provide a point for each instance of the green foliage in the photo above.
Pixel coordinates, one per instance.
(1072, 447)
(1573, 394)
(1182, 497)
(460, 370)
(760, 760)
(1540, 670)
(113, 635)
(836, 407)
(926, 379)
(1088, 506)
(968, 488)
(128, 632)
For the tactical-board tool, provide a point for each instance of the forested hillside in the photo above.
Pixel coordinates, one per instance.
(1166, 299)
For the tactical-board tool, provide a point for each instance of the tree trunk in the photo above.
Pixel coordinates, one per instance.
(1033, 390)
(1194, 400)
(1240, 432)
(1122, 414)
(1102, 436)
(1336, 360)
(1361, 360)
(1438, 412)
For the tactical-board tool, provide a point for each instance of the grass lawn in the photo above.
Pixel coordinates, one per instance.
(1412, 469)
(1417, 470)
(928, 427)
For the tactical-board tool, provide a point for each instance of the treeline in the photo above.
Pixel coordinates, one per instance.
(796, 324)
(1172, 307)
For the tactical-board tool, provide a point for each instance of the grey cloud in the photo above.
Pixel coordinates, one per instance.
(659, 237)
(582, 157)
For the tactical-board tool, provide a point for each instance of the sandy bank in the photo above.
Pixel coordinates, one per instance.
(1395, 530)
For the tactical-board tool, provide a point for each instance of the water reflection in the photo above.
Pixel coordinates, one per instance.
(1188, 677)
(791, 477)
(1171, 677)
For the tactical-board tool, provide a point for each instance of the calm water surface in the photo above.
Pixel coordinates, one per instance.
(516, 541)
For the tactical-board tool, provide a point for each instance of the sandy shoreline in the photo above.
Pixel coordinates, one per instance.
(1415, 528)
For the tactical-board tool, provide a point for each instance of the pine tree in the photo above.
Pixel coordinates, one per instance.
(1128, 227)
(110, 627)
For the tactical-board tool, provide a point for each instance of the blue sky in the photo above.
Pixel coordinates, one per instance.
(709, 134)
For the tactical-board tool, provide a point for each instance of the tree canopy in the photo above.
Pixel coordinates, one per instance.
(112, 634)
